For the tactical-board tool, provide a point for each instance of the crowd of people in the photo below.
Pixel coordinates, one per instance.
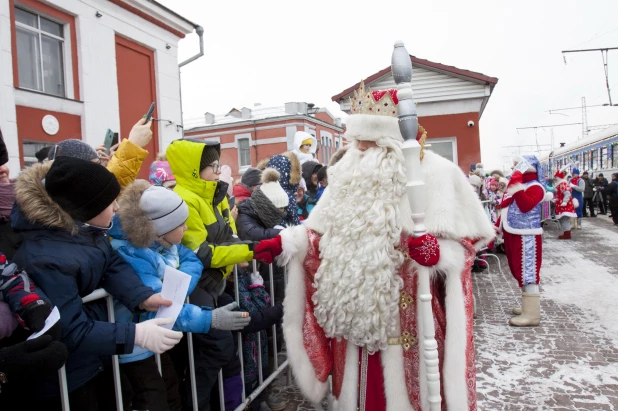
(79, 220)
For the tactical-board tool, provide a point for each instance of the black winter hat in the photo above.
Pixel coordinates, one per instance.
(251, 177)
(209, 155)
(322, 173)
(82, 188)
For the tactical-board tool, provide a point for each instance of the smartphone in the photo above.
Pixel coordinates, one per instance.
(115, 139)
(109, 140)
(150, 111)
(231, 202)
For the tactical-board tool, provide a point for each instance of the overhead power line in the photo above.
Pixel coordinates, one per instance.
(547, 126)
(605, 65)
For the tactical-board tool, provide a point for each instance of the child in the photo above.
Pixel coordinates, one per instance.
(322, 181)
(63, 211)
(305, 146)
(161, 174)
(147, 232)
(211, 233)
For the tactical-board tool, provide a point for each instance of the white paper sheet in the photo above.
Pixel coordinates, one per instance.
(175, 287)
(51, 319)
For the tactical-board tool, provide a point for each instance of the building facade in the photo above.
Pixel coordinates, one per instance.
(249, 135)
(449, 101)
(76, 68)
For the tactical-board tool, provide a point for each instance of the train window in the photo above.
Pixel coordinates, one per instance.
(614, 157)
(594, 159)
(603, 158)
(585, 161)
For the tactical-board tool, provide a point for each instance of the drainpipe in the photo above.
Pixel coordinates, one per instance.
(200, 33)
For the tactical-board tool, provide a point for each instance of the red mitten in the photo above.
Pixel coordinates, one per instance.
(267, 250)
(425, 250)
(516, 178)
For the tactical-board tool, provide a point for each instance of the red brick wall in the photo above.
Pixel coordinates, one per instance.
(456, 125)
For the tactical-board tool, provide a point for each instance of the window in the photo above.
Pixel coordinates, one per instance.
(585, 162)
(244, 153)
(614, 157)
(40, 53)
(594, 159)
(603, 158)
(30, 148)
(445, 149)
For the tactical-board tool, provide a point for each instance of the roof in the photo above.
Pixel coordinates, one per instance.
(186, 20)
(594, 138)
(467, 74)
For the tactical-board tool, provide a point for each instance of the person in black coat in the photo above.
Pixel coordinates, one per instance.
(600, 183)
(63, 211)
(611, 191)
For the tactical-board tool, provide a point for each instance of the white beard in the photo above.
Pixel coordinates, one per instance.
(357, 283)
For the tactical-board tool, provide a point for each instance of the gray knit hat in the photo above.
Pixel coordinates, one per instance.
(72, 148)
(165, 208)
(251, 177)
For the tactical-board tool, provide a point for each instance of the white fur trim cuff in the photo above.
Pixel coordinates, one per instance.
(515, 188)
(372, 127)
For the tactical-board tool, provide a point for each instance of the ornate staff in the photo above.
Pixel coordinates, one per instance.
(401, 67)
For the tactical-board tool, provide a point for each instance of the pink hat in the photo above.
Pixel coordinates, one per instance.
(160, 172)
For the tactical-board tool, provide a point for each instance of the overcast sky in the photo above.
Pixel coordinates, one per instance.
(272, 52)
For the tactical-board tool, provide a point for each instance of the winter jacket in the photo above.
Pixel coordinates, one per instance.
(288, 166)
(306, 206)
(249, 225)
(69, 260)
(601, 183)
(149, 264)
(241, 192)
(304, 157)
(212, 229)
(588, 192)
(611, 191)
(126, 162)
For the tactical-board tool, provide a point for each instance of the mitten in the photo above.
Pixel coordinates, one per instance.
(157, 339)
(564, 204)
(34, 313)
(225, 318)
(33, 357)
(267, 250)
(425, 250)
(516, 178)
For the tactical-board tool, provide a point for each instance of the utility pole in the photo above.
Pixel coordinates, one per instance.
(584, 118)
(604, 56)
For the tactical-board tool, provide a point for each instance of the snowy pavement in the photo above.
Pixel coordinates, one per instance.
(570, 362)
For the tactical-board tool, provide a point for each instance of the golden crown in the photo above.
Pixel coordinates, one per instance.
(379, 103)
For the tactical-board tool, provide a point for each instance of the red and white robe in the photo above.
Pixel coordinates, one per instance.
(393, 379)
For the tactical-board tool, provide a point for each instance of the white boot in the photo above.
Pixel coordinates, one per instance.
(531, 311)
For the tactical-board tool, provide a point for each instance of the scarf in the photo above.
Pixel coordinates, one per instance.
(266, 210)
(7, 198)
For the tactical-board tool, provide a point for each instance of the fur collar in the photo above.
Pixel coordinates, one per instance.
(453, 210)
(295, 172)
(138, 227)
(36, 204)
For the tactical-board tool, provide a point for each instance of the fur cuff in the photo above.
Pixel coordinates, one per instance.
(548, 196)
(575, 203)
(515, 188)
(292, 240)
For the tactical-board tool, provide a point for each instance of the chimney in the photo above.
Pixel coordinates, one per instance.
(246, 113)
(209, 117)
(338, 122)
(291, 108)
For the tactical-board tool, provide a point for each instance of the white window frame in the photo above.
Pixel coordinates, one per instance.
(452, 140)
(237, 138)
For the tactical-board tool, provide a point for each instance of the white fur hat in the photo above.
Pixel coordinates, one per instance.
(367, 127)
(476, 180)
(272, 189)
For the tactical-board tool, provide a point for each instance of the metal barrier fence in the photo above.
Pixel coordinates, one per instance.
(278, 369)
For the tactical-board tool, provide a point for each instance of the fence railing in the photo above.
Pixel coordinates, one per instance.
(278, 369)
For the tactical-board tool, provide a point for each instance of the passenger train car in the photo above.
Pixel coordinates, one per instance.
(597, 153)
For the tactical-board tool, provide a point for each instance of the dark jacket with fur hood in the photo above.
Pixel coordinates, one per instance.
(69, 260)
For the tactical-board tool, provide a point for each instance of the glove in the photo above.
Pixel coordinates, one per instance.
(34, 314)
(267, 250)
(516, 178)
(157, 339)
(36, 357)
(425, 250)
(225, 318)
(256, 279)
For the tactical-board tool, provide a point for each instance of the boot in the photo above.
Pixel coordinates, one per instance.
(579, 223)
(565, 236)
(531, 311)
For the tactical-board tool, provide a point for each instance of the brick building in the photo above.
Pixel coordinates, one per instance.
(75, 68)
(249, 135)
(450, 102)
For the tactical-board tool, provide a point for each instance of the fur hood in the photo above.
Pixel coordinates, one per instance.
(138, 228)
(36, 204)
(499, 173)
(295, 174)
